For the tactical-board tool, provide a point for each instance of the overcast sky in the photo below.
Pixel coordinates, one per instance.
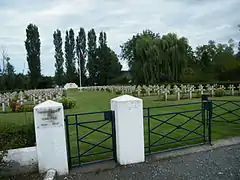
(198, 20)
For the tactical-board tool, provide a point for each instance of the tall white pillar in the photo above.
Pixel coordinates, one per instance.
(50, 137)
(129, 129)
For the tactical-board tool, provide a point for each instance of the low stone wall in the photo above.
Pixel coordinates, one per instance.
(22, 160)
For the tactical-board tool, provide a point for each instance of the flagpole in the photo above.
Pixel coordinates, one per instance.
(80, 74)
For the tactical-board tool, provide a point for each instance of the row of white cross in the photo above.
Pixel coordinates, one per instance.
(30, 97)
(158, 90)
(38, 96)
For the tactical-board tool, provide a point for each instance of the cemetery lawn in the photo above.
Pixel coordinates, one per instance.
(100, 101)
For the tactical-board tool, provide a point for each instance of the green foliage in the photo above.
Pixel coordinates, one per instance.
(59, 72)
(64, 93)
(109, 66)
(219, 92)
(189, 75)
(197, 94)
(26, 108)
(70, 56)
(32, 45)
(92, 57)
(119, 81)
(25, 96)
(10, 74)
(68, 103)
(153, 59)
(15, 137)
(16, 107)
(81, 54)
(118, 92)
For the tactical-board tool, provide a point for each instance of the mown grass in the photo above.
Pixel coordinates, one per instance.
(100, 101)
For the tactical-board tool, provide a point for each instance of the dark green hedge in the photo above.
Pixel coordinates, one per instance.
(17, 137)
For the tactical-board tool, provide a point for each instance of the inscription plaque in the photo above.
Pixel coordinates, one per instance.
(49, 118)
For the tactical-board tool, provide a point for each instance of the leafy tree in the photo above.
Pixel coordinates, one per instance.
(152, 58)
(81, 54)
(9, 75)
(115, 67)
(92, 64)
(22, 81)
(70, 56)
(59, 72)
(224, 64)
(32, 45)
(109, 66)
(9, 67)
(103, 59)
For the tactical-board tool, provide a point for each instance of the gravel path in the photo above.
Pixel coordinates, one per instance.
(218, 164)
(222, 163)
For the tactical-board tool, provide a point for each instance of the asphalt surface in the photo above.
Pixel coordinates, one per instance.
(218, 164)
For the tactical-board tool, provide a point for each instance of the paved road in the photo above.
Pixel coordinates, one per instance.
(218, 164)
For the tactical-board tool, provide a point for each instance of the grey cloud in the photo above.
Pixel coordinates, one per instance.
(198, 20)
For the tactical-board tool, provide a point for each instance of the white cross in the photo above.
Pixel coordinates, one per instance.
(148, 91)
(178, 91)
(3, 107)
(190, 90)
(139, 89)
(231, 87)
(211, 88)
(165, 92)
(239, 87)
(222, 87)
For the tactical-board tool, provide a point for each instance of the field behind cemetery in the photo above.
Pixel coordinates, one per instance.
(100, 101)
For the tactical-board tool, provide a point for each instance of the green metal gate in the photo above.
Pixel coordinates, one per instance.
(225, 118)
(188, 125)
(90, 137)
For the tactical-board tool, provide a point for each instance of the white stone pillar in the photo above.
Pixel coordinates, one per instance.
(50, 137)
(129, 129)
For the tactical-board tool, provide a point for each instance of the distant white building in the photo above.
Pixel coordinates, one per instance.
(70, 86)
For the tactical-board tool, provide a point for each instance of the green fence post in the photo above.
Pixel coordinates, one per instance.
(210, 108)
(149, 131)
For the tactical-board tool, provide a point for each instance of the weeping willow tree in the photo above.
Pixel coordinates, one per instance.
(153, 59)
(176, 52)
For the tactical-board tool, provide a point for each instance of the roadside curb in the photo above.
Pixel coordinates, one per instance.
(104, 166)
(215, 145)
(51, 175)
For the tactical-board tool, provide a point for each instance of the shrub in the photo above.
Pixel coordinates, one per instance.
(26, 96)
(198, 94)
(219, 92)
(26, 108)
(118, 92)
(68, 103)
(15, 137)
(16, 107)
(64, 93)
